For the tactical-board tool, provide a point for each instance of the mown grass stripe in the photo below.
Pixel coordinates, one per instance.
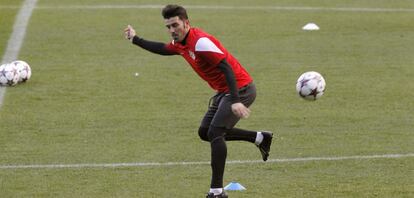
(212, 7)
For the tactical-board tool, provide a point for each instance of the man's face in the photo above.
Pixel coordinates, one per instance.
(177, 28)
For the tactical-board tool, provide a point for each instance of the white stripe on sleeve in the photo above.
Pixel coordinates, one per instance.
(206, 45)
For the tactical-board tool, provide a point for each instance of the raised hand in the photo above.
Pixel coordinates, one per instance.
(129, 32)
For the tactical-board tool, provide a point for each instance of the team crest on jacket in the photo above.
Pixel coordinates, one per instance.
(192, 55)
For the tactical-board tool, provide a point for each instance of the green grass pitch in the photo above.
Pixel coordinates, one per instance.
(84, 104)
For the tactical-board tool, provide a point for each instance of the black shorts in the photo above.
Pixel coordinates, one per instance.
(219, 112)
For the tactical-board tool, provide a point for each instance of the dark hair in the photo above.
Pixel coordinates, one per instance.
(174, 10)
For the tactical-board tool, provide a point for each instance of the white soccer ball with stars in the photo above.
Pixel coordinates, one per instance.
(310, 85)
(9, 76)
(25, 72)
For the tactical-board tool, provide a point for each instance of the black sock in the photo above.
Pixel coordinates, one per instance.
(218, 155)
(240, 134)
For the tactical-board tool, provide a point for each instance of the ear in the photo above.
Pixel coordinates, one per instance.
(187, 22)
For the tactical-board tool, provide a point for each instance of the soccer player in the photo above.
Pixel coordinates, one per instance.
(235, 90)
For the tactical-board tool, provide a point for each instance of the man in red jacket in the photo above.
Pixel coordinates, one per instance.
(235, 90)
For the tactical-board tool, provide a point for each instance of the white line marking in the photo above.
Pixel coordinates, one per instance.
(212, 7)
(17, 36)
(164, 164)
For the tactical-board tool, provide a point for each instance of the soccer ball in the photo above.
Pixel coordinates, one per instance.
(24, 70)
(310, 85)
(9, 76)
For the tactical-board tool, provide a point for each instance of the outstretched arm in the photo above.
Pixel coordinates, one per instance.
(152, 46)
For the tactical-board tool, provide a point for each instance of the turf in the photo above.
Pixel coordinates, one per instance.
(7, 17)
(84, 104)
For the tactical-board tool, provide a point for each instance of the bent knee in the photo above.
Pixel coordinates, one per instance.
(216, 132)
(202, 132)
